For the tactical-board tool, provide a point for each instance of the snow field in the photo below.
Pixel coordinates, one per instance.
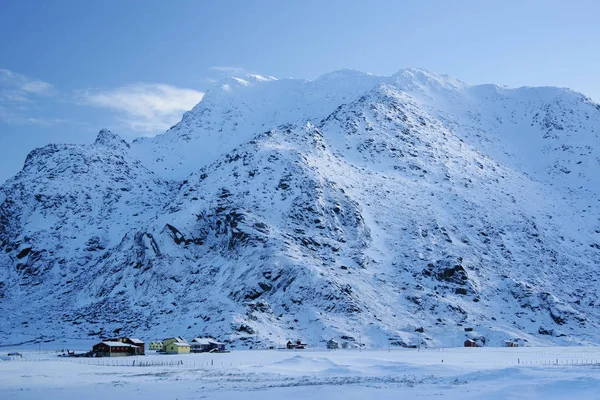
(494, 373)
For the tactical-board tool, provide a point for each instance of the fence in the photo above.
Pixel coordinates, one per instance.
(511, 356)
(108, 362)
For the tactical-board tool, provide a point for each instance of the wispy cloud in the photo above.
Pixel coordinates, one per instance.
(20, 96)
(229, 70)
(144, 107)
(18, 88)
(20, 117)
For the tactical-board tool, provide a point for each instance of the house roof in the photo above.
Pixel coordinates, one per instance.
(123, 339)
(116, 344)
(177, 339)
(205, 341)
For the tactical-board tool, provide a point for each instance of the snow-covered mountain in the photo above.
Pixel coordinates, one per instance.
(405, 210)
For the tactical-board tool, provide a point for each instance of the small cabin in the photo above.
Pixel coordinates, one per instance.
(470, 343)
(510, 343)
(332, 344)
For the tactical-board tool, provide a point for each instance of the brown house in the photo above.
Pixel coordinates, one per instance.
(470, 343)
(297, 345)
(132, 341)
(114, 349)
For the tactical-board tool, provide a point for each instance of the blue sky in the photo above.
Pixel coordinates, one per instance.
(70, 68)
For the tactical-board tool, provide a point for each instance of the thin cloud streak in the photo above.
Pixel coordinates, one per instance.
(17, 87)
(20, 96)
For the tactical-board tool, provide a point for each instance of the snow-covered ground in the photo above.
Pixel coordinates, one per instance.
(466, 373)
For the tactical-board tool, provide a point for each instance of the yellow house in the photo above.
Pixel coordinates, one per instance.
(176, 345)
(156, 345)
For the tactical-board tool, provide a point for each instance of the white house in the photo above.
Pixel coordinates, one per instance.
(202, 345)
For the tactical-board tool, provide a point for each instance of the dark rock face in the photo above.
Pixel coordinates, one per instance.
(449, 270)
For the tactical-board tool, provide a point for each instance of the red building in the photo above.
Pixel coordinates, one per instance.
(118, 347)
(132, 341)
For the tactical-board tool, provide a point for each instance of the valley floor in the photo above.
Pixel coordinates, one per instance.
(465, 373)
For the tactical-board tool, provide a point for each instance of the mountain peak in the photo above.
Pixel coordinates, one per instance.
(345, 73)
(421, 79)
(108, 139)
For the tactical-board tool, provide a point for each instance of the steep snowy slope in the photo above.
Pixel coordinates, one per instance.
(65, 211)
(409, 210)
(549, 133)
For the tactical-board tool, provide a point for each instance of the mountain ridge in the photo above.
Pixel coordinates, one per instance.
(398, 210)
